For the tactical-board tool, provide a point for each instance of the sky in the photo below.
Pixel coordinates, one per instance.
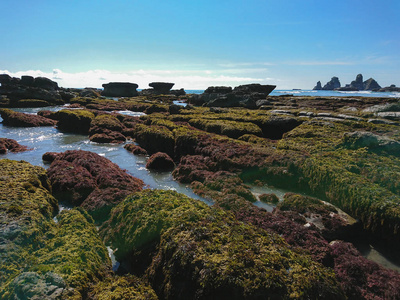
(196, 44)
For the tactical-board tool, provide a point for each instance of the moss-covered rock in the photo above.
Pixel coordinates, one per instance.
(76, 121)
(160, 161)
(90, 180)
(204, 253)
(106, 128)
(17, 119)
(155, 139)
(41, 259)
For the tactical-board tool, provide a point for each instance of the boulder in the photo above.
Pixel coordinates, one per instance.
(160, 161)
(180, 92)
(254, 88)
(218, 90)
(87, 179)
(27, 80)
(135, 149)
(120, 89)
(318, 87)
(45, 83)
(161, 88)
(5, 78)
(374, 142)
(334, 83)
(76, 121)
(11, 145)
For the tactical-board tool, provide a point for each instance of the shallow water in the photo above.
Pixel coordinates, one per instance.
(49, 139)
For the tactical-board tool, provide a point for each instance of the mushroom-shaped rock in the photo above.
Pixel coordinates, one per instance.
(120, 89)
(160, 161)
(161, 87)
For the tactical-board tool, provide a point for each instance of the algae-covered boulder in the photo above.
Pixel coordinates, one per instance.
(76, 121)
(26, 212)
(160, 161)
(155, 139)
(18, 119)
(39, 258)
(11, 145)
(106, 128)
(90, 180)
(203, 253)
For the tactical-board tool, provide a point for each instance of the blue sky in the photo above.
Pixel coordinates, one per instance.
(195, 44)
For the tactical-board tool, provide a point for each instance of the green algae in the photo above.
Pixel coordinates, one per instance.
(37, 255)
(77, 121)
(127, 287)
(155, 139)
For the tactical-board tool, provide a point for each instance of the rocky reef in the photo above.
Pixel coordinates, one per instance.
(338, 157)
(356, 85)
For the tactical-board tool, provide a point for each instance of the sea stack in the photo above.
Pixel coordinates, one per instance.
(318, 87)
(334, 83)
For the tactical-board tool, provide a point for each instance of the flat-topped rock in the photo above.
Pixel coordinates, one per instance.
(218, 90)
(120, 89)
(161, 87)
(254, 88)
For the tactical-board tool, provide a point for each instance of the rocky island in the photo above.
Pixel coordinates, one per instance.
(337, 158)
(356, 85)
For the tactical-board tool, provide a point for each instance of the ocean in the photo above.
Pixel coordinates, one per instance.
(322, 93)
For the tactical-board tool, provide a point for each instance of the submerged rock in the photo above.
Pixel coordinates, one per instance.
(11, 145)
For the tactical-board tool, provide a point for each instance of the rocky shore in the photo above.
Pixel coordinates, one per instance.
(339, 157)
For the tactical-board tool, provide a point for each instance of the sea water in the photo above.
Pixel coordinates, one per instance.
(323, 93)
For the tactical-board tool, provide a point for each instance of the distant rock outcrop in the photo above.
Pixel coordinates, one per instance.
(371, 84)
(241, 96)
(318, 87)
(28, 87)
(160, 88)
(391, 88)
(334, 83)
(120, 89)
(355, 85)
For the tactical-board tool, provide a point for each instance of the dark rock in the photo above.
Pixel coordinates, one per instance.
(90, 92)
(391, 88)
(160, 161)
(161, 88)
(371, 84)
(17, 119)
(358, 83)
(27, 80)
(254, 88)
(334, 83)
(49, 156)
(347, 88)
(120, 89)
(135, 149)
(180, 92)
(318, 86)
(5, 78)
(45, 83)
(11, 145)
(175, 109)
(218, 90)
(275, 127)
